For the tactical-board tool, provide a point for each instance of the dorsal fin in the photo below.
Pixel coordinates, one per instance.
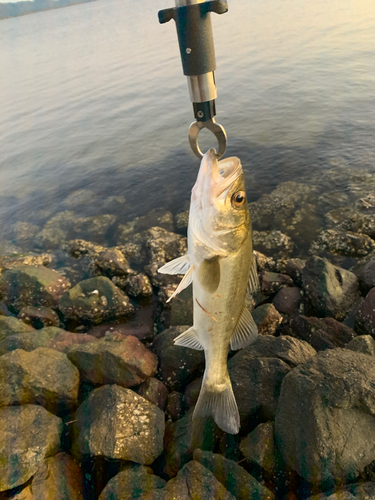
(245, 332)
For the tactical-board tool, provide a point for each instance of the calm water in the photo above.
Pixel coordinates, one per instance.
(94, 96)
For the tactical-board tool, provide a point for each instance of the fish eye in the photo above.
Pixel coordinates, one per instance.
(238, 199)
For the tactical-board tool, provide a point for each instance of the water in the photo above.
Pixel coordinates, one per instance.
(93, 96)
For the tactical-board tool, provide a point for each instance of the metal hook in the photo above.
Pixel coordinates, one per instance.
(215, 128)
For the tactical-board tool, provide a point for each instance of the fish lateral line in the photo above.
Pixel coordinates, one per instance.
(205, 310)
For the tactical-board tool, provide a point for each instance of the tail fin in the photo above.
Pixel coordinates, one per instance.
(219, 402)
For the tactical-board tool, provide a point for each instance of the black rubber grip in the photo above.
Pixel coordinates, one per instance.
(204, 111)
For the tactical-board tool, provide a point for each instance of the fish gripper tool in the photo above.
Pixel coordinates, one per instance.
(194, 31)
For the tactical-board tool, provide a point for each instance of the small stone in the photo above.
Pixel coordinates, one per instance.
(122, 426)
(264, 263)
(267, 319)
(259, 447)
(154, 391)
(363, 343)
(39, 317)
(111, 263)
(287, 301)
(123, 361)
(273, 243)
(11, 326)
(273, 282)
(80, 248)
(294, 268)
(138, 285)
(22, 451)
(175, 406)
(365, 319)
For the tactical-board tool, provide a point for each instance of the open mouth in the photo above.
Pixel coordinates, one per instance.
(229, 171)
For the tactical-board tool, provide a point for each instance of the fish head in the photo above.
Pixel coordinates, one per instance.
(219, 214)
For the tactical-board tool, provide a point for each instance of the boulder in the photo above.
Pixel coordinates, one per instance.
(22, 259)
(111, 263)
(24, 232)
(365, 272)
(154, 391)
(192, 392)
(271, 283)
(11, 326)
(339, 241)
(138, 285)
(177, 365)
(356, 491)
(122, 425)
(329, 290)
(287, 301)
(161, 218)
(39, 317)
(175, 407)
(182, 308)
(273, 243)
(362, 343)
(365, 318)
(114, 360)
(164, 245)
(259, 447)
(25, 286)
(95, 300)
(325, 420)
(43, 376)
(267, 319)
(28, 435)
(234, 477)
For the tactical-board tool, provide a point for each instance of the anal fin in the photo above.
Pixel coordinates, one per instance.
(189, 339)
(246, 331)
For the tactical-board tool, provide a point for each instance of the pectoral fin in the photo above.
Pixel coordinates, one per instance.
(180, 265)
(184, 283)
(253, 283)
(245, 333)
(189, 339)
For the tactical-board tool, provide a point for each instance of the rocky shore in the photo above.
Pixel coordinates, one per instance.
(96, 401)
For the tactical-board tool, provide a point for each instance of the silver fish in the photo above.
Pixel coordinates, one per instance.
(221, 266)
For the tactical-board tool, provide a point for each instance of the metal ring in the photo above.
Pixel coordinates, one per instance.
(215, 128)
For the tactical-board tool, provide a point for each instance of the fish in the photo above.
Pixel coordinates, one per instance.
(222, 268)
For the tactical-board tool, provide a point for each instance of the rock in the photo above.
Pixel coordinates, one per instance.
(157, 279)
(273, 282)
(111, 263)
(122, 426)
(25, 286)
(130, 484)
(365, 319)
(22, 451)
(58, 478)
(39, 317)
(11, 326)
(43, 376)
(264, 263)
(329, 290)
(294, 268)
(363, 343)
(259, 447)
(192, 392)
(361, 223)
(365, 273)
(359, 491)
(175, 406)
(321, 333)
(58, 229)
(29, 259)
(273, 243)
(165, 246)
(182, 308)
(95, 300)
(154, 391)
(138, 285)
(338, 241)
(114, 360)
(287, 301)
(24, 233)
(177, 365)
(325, 425)
(267, 319)
(158, 218)
(142, 331)
(94, 228)
(80, 248)
(182, 220)
(233, 477)
(195, 482)
(79, 199)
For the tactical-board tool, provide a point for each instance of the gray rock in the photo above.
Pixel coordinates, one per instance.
(329, 290)
(325, 425)
(114, 359)
(160, 218)
(39, 317)
(175, 406)
(273, 243)
(25, 286)
(182, 308)
(231, 475)
(177, 365)
(287, 301)
(182, 220)
(138, 285)
(80, 248)
(22, 451)
(365, 273)
(58, 229)
(43, 376)
(28, 259)
(192, 392)
(360, 491)
(154, 391)
(264, 263)
(24, 233)
(271, 283)
(362, 343)
(131, 484)
(267, 319)
(165, 246)
(361, 223)
(259, 447)
(160, 280)
(95, 300)
(338, 241)
(365, 319)
(79, 199)
(122, 425)
(111, 263)
(11, 326)
(294, 268)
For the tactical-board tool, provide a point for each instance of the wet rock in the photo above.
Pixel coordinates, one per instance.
(24, 232)
(273, 282)
(22, 451)
(114, 360)
(182, 308)
(233, 477)
(273, 243)
(359, 491)
(264, 263)
(111, 263)
(29, 259)
(39, 317)
(132, 483)
(325, 425)
(329, 290)
(94, 228)
(154, 391)
(95, 300)
(338, 241)
(165, 246)
(195, 482)
(365, 319)
(136, 250)
(365, 273)
(192, 392)
(138, 285)
(43, 376)
(159, 218)
(122, 425)
(267, 319)
(175, 406)
(165, 293)
(294, 268)
(182, 220)
(25, 286)
(10, 326)
(142, 332)
(361, 223)
(321, 333)
(363, 343)
(79, 248)
(58, 478)
(259, 447)
(115, 204)
(58, 229)
(79, 199)
(157, 279)
(287, 301)
(177, 365)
